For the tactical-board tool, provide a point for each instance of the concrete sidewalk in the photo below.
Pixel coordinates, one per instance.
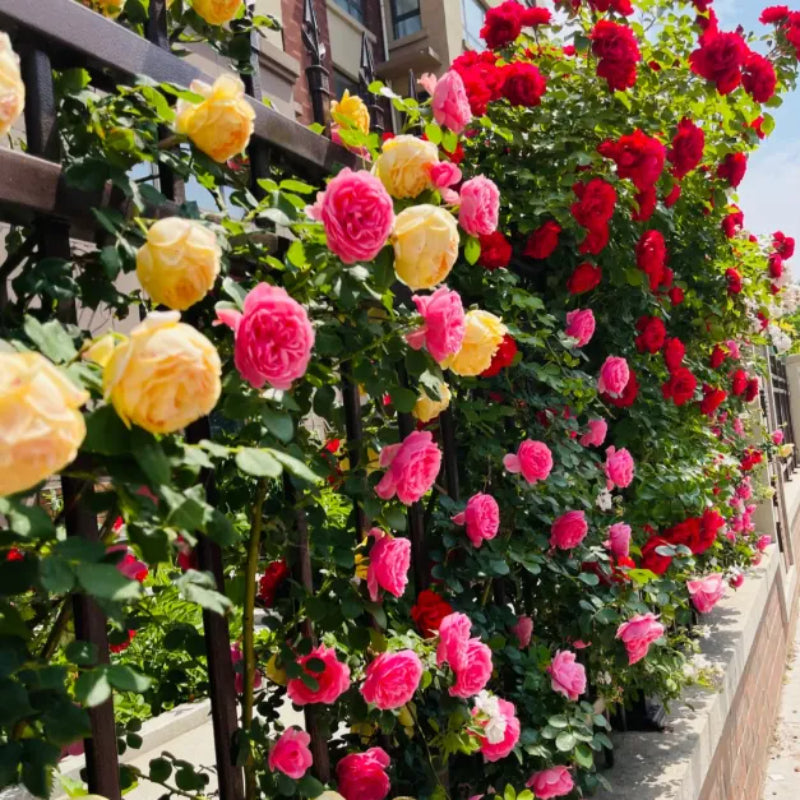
(783, 768)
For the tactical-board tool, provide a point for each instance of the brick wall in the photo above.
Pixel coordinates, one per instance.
(372, 21)
(738, 768)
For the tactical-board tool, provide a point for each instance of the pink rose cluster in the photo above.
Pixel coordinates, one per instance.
(273, 337)
(450, 103)
(333, 679)
(392, 679)
(706, 592)
(580, 326)
(553, 782)
(411, 468)
(567, 676)
(479, 212)
(619, 539)
(614, 376)
(389, 560)
(444, 324)
(638, 633)
(596, 435)
(357, 214)
(362, 776)
(533, 460)
(469, 658)
(569, 530)
(482, 518)
(290, 754)
(619, 468)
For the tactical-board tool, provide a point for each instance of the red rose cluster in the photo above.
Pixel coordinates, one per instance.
(743, 384)
(503, 357)
(787, 22)
(543, 240)
(618, 54)
(732, 168)
(495, 251)
(429, 611)
(652, 334)
(696, 533)
(505, 22)
(592, 211)
(274, 575)
(733, 222)
(687, 148)
(651, 258)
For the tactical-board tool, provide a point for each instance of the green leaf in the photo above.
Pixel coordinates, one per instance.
(403, 399)
(51, 339)
(92, 687)
(309, 786)
(296, 467)
(84, 654)
(279, 423)
(14, 704)
(65, 723)
(234, 291)
(150, 456)
(122, 677)
(106, 433)
(472, 250)
(434, 133)
(565, 741)
(160, 770)
(56, 575)
(27, 522)
(260, 463)
(107, 582)
(220, 529)
(200, 588)
(187, 509)
(298, 187)
(584, 757)
(296, 254)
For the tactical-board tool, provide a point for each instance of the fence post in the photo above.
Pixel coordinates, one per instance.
(52, 235)
(366, 75)
(316, 74)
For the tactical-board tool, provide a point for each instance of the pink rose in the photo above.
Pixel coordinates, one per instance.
(290, 754)
(273, 337)
(389, 560)
(552, 782)
(777, 437)
(738, 426)
(763, 542)
(357, 213)
(706, 592)
(474, 672)
(638, 633)
(736, 579)
(444, 174)
(580, 326)
(333, 680)
(569, 530)
(450, 103)
(238, 674)
(614, 376)
(533, 459)
(523, 630)
(619, 467)
(619, 539)
(454, 633)
(444, 325)
(428, 82)
(129, 565)
(482, 518)
(392, 679)
(480, 206)
(567, 677)
(579, 644)
(412, 467)
(362, 776)
(598, 428)
(494, 752)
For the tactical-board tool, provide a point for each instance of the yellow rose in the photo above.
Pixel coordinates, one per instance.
(164, 376)
(12, 89)
(41, 427)
(329, 795)
(108, 8)
(427, 408)
(351, 112)
(179, 263)
(217, 12)
(425, 240)
(484, 332)
(222, 124)
(275, 673)
(404, 165)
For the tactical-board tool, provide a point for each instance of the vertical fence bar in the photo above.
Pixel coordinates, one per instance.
(52, 235)
(449, 452)
(316, 74)
(366, 75)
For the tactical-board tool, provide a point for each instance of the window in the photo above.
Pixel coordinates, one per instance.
(342, 82)
(406, 18)
(473, 12)
(355, 8)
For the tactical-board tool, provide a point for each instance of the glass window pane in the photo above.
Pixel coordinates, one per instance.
(355, 8)
(406, 17)
(474, 13)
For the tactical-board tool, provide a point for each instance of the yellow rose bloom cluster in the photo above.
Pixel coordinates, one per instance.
(217, 12)
(425, 239)
(108, 8)
(426, 408)
(222, 124)
(484, 332)
(165, 376)
(41, 427)
(12, 89)
(179, 262)
(351, 112)
(404, 165)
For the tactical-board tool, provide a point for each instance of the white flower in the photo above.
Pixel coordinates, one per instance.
(488, 706)
(604, 500)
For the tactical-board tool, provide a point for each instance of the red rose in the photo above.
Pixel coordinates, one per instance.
(710, 524)
(429, 611)
(674, 351)
(763, 319)
(596, 239)
(543, 240)
(652, 334)
(686, 533)
(645, 204)
(676, 295)
(482, 79)
(757, 127)
(733, 222)
(680, 386)
(274, 575)
(531, 17)
(119, 641)
(791, 29)
(783, 244)
(732, 168)
(523, 84)
(502, 24)
(750, 458)
(495, 250)
(773, 14)
(623, 7)
(739, 383)
(651, 257)
(15, 554)
(734, 280)
(653, 561)
(595, 205)
(720, 59)
(638, 156)
(673, 196)
(712, 399)
(502, 358)
(751, 391)
(718, 355)
(618, 52)
(585, 277)
(687, 148)
(759, 79)
(628, 393)
(775, 266)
